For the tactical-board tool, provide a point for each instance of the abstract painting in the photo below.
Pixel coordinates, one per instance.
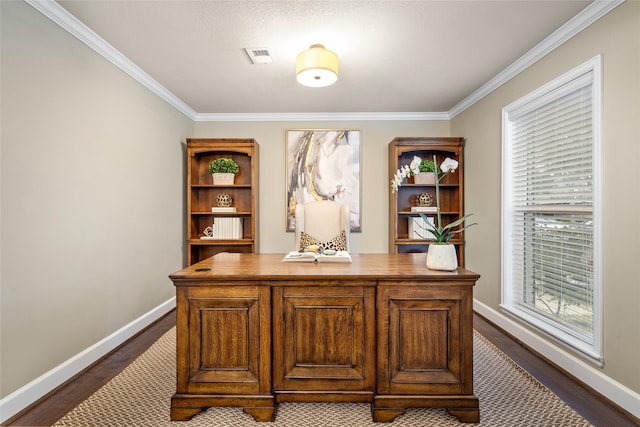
(323, 165)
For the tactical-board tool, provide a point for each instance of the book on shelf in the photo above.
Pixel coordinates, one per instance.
(227, 228)
(418, 228)
(424, 209)
(223, 209)
(297, 256)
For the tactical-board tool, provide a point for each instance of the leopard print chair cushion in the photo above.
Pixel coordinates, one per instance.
(338, 243)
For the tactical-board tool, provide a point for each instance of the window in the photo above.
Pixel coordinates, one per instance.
(550, 210)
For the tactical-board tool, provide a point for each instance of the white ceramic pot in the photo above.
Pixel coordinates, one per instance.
(223, 178)
(424, 178)
(442, 257)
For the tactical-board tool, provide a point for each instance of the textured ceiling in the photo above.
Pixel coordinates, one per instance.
(395, 56)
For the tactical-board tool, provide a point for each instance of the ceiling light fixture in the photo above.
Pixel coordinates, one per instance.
(317, 66)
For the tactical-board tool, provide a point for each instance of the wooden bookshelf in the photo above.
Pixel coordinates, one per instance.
(202, 194)
(401, 152)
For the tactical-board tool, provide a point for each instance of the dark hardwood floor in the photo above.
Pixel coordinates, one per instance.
(48, 410)
(57, 404)
(594, 408)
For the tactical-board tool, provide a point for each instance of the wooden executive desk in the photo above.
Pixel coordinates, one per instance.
(253, 331)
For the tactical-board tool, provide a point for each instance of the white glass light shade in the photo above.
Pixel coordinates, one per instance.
(317, 66)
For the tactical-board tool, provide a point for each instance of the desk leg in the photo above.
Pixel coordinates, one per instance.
(184, 414)
(386, 408)
(386, 415)
(465, 415)
(185, 406)
(264, 414)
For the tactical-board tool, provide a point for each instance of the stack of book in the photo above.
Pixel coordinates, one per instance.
(424, 209)
(418, 228)
(229, 228)
(223, 209)
(226, 228)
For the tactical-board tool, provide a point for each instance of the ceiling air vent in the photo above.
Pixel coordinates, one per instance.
(259, 55)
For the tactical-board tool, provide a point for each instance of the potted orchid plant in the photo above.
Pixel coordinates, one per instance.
(441, 234)
(441, 255)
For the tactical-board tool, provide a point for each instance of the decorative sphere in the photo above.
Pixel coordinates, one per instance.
(425, 199)
(224, 200)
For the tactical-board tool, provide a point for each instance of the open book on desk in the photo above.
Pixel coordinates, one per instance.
(338, 256)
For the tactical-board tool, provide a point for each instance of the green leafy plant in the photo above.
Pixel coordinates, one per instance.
(442, 234)
(224, 165)
(427, 166)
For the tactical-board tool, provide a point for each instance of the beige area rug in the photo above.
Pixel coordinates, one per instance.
(140, 396)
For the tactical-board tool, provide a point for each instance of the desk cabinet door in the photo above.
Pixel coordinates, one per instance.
(424, 340)
(324, 338)
(225, 334)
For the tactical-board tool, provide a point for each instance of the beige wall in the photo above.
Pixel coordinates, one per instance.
(374, 180)
(617, 38)
(92, 189)
(92, 183)
(93, 193)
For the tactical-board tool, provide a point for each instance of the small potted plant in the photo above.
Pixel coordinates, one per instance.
(223, 171)
(427, 174)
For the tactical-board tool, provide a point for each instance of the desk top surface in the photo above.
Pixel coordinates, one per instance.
(242, 266)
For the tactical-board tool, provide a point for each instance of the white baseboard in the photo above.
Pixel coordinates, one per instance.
(591, 376)
(36, 389)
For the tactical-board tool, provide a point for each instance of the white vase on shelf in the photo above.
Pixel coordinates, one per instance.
(442, 257)
(424, 178)
(223, 178)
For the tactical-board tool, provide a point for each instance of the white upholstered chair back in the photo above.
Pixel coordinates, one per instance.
(322, 219)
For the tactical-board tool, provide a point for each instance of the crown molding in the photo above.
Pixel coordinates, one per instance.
(299, 117)
(64, 19)
(582, 20)
(71, 24)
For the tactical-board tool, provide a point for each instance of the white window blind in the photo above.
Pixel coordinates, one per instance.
(550, 270)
